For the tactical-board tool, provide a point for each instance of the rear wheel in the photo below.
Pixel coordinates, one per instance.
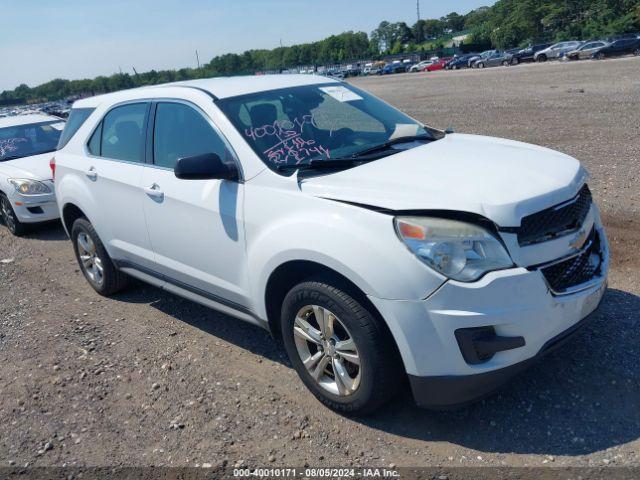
(94, 261)
(542, 58)
(481, 65)
(506, 63)
(601, 56)
(515, 61)
(340, 350)
(637, 52)
(9, 218)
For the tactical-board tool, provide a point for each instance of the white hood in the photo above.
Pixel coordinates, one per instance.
(502, 180)
(34, 168)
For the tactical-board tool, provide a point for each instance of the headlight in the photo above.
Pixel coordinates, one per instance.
(29, 187)
(461, 251)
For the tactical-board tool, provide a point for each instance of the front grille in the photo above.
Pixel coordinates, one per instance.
(576, 270)
(555, 221)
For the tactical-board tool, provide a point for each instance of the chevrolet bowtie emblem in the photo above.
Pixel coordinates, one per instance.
(579, 240)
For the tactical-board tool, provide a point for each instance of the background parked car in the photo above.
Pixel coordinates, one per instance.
(484, 54)
(439, 65)
(618, 48)
(418, 67)
(586, 50)
(460, 62)
(494, 60)
(395, 67)
(526, 54)
(557, 50)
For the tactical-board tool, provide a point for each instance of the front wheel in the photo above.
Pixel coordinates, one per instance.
(340, 349)
(542, 58)
(94, 261)
(9, 217)
(481, 65)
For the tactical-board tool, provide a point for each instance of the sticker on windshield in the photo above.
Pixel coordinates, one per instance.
(58, 126)
(404, 130)
(342, 94)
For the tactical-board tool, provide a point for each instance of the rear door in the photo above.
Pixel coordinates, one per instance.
(196, 226)
(112, 173)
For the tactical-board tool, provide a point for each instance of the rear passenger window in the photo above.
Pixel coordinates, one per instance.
(123, 133)
(76, 119)
(180, 131)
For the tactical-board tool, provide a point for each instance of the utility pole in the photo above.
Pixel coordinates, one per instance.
(197, 59)
(418, 8)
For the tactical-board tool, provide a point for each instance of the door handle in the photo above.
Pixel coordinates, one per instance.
(91, 174)
(154, 191)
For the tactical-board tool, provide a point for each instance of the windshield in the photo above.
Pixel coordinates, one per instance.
(30, 139)
(295, 126)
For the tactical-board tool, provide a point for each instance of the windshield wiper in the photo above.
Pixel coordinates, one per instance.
(388, 144)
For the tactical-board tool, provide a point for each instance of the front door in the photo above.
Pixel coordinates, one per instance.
(195, 226)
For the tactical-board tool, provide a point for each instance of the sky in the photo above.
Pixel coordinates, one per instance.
(45, 39)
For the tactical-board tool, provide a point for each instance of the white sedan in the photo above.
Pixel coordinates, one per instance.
(27, 143)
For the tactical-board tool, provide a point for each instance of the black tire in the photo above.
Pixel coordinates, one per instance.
(9, 218)
(515, 61)
(542, 58)
(506, 63)
(112, 280)
(481, 65)
(637, 52)
(601, 56)
(380, 366)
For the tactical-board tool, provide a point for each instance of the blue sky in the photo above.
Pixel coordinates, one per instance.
(45, 39)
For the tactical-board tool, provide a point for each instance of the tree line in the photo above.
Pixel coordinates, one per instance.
(508, 23)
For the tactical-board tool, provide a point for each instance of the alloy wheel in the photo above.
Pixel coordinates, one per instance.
(327, 350)
(7, 214)
(91, 262)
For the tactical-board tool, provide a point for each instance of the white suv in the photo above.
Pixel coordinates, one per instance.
(26, 190)
(376, 247)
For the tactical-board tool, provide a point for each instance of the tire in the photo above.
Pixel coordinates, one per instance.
(515, 61)
(637, 52)
(601, 56)
(9, 218)
(542, 58)
(481, 65)
(367, 386)
(506, 63)
(95, 263)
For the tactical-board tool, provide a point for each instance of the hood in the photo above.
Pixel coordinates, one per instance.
(34, 168)
(502, 180)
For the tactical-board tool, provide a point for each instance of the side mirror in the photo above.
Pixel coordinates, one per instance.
(207, 166)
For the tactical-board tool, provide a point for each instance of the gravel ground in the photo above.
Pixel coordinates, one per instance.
(147, 378)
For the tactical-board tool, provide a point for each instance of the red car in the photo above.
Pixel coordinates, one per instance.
(439, 65)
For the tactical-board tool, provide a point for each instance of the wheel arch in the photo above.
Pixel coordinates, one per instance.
(70, 213)
(293, 272)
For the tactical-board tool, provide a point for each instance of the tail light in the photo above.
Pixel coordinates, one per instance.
(52, 165)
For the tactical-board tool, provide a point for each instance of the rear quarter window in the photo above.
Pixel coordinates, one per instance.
(76, 119)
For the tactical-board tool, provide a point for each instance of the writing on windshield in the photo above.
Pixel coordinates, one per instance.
(285, 140)
(9, 145)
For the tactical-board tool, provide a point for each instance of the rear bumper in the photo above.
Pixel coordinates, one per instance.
(451, 391)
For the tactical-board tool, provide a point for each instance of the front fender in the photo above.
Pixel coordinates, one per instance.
(357, 243)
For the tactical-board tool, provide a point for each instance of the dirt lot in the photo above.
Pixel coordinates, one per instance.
(147, 378)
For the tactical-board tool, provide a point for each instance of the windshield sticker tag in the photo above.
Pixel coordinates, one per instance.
(404, 130)
(58, 126)
(340, 93)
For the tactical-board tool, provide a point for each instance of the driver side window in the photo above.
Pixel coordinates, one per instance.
(181, 131)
